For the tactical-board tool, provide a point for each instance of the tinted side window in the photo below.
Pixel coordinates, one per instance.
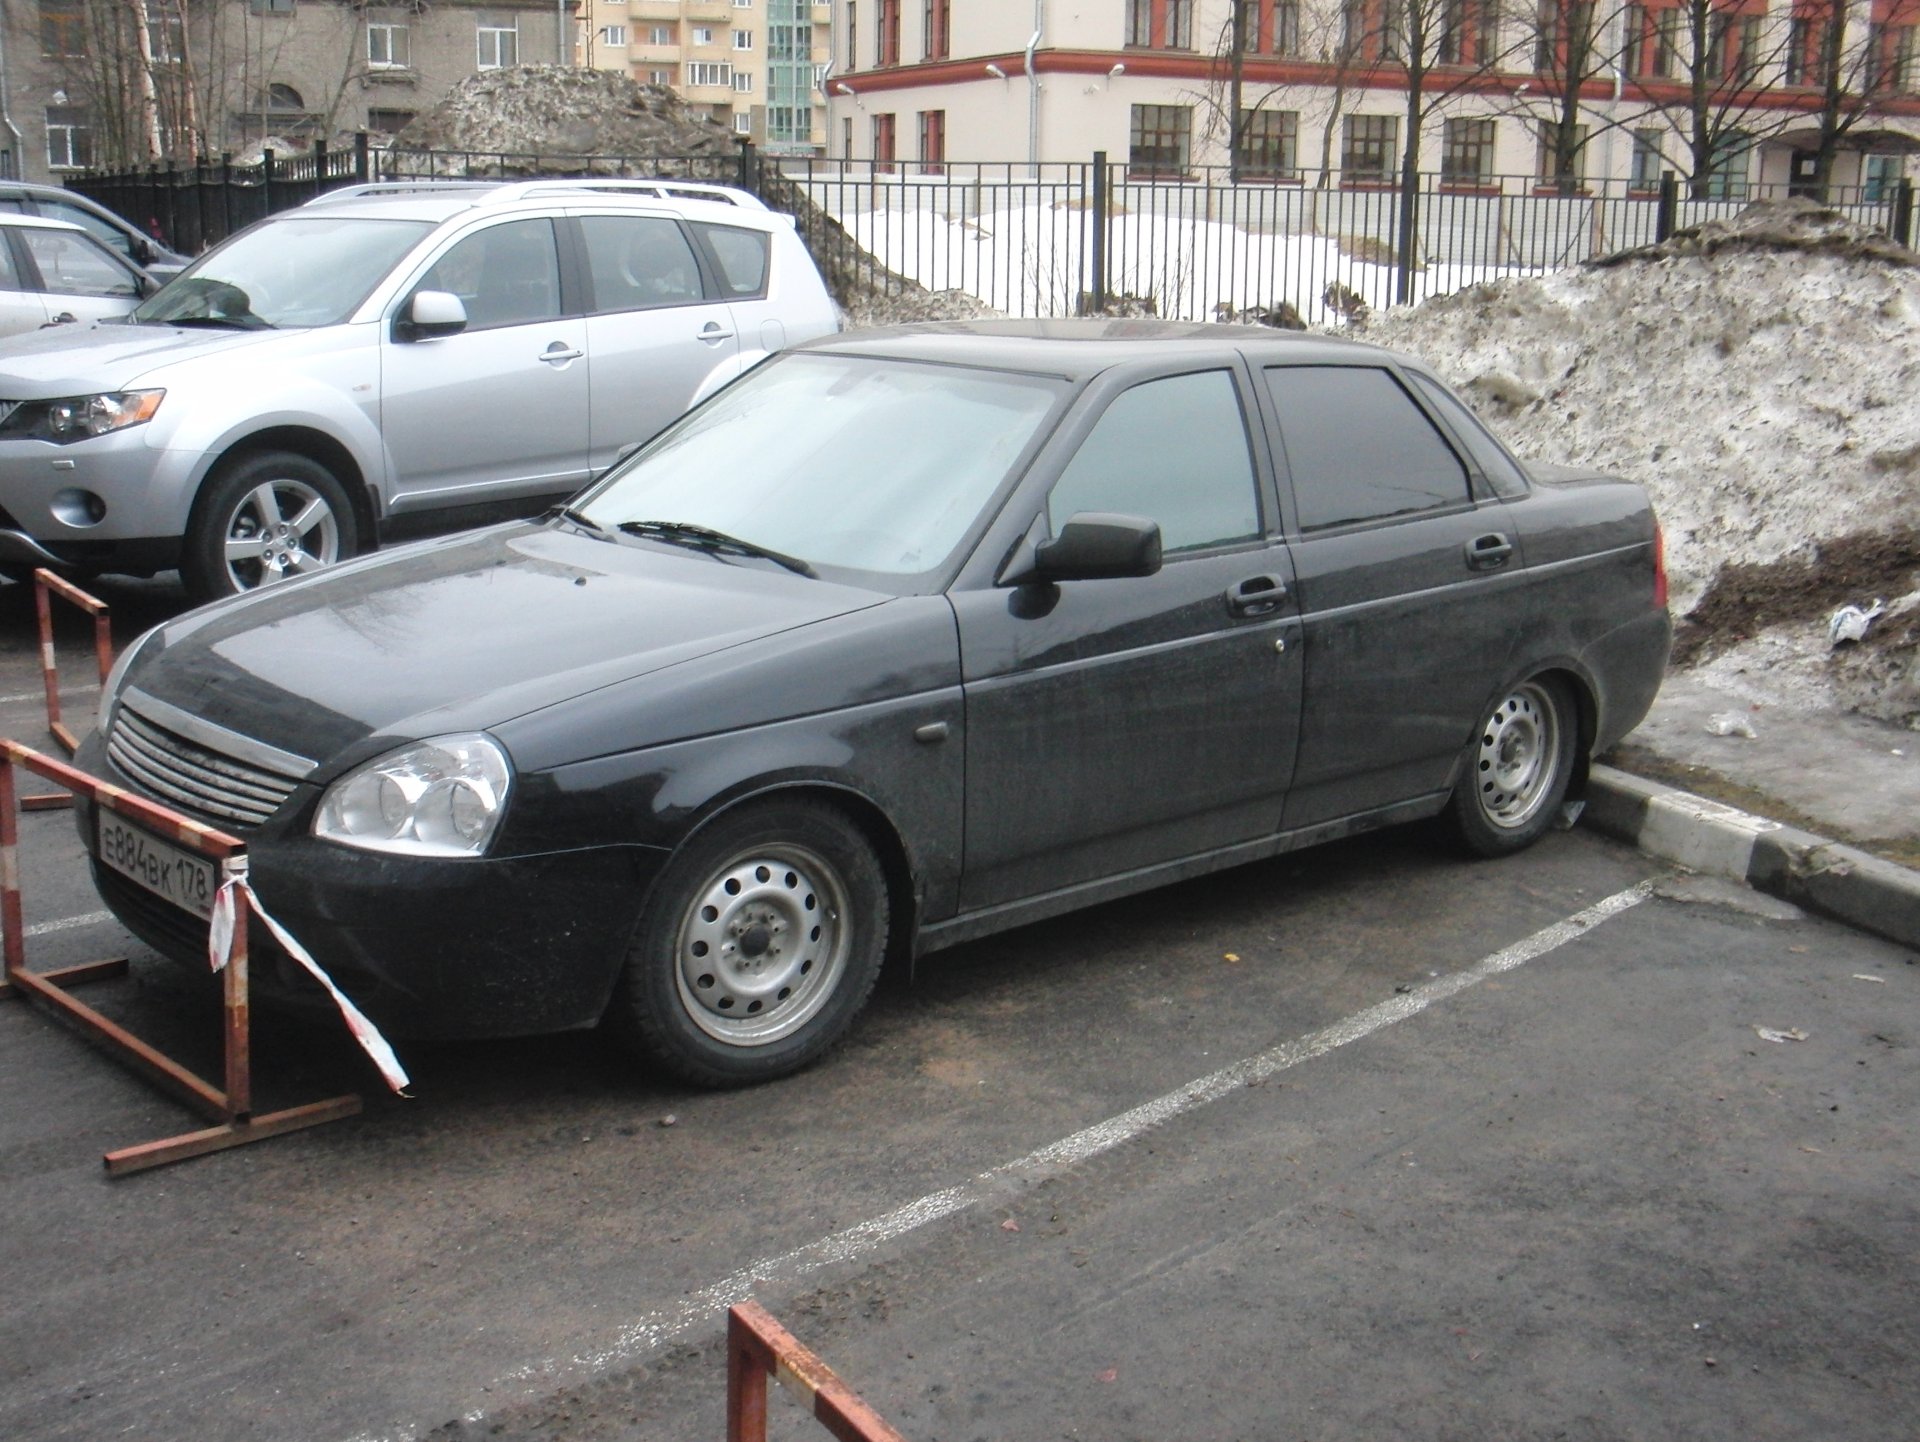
(77, 215)
(639, 261)
(71, 264)
(1174, 450)
(1501, 473)
(505, 275)
(1358, 448)
(742, 257)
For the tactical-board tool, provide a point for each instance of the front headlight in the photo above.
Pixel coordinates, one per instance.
(441, 797)
(76, 418)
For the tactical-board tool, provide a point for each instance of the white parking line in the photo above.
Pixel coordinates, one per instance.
(656, 1329)
(68, 923)
(66, 689)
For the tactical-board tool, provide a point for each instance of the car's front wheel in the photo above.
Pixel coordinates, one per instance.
(263, 518)
(1517, 769)
(762, 940)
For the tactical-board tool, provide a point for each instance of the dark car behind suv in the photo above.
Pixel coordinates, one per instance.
(25, 198)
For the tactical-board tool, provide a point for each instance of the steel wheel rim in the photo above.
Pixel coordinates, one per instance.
(762, 948)
(280, 528)
(1518, 754)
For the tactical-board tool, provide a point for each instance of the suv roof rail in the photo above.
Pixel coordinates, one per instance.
(500, 191)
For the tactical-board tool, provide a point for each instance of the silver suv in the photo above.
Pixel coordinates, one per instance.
(387, 360)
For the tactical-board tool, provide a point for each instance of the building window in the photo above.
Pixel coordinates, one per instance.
(614, 35)
(933, 142)
(1466, 155)
(497, 44)
(887, 42)
(660, 35)
(1368, 151)
(1643, 171)
(167, 38)
(1545, 171)
(743, 82)
(743, 4)
(743, 40)
(386, 44)
(63, 27)
(389, 122)
(846, 137)
(1882, 175)
(1160, 24)
(883, 143)
(1728, 178)
(1668, 28)
(1159, 142)
(703, 35)
(270, 7)
(853, 35)
(939, 28)
(1268, 142)
(69, 138)
(709, 72)
(660, 77)
(1889, 62)
(742, 122)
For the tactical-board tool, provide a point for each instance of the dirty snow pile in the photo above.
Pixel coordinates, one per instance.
(1761, 377)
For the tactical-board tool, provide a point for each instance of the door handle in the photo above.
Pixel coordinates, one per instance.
(1256, 596)
(1488, 552)
(559, 353)
(712, 331)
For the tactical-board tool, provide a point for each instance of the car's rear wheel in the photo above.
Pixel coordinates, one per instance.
(761, 942)
(1517, 769)
(263, 518)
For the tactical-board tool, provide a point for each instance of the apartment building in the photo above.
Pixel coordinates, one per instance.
(915, 84)
(230, 75)
(754, 65)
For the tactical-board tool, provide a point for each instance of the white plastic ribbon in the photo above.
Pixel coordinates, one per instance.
(220, 951)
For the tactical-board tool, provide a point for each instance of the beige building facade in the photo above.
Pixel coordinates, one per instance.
(753, 65)
(917, 84)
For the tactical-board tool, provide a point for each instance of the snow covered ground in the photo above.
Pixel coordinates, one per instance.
(1764, 384)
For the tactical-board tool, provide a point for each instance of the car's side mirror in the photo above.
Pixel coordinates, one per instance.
(1091, 546)
(430, 315)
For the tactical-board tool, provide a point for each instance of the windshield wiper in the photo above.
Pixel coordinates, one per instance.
(703, 538)
(584, 522)
(216, 322)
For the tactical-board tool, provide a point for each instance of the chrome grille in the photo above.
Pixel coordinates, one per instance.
(202, 769)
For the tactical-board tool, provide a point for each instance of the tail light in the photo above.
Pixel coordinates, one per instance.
(1659, 566)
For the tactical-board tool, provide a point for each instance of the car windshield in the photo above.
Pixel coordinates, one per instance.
(839, 461)
(290, 272)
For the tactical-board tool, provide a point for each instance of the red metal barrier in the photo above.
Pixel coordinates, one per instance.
(759, 1347)
(46, 585)
(229, 1105)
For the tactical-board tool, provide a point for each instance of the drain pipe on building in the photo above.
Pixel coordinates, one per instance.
(10, 165)
(1033, 89)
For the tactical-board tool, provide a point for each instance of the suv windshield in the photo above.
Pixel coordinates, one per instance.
(838, 461)
(291, 271)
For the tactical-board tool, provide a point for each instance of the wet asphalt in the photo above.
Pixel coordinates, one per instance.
(1480, 1174)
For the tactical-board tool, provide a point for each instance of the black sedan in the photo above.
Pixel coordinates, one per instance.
(904, 638)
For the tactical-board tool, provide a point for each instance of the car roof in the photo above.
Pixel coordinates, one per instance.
(1078, 349)
(41, 222)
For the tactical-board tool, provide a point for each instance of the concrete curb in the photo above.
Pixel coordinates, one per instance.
(1821, 875)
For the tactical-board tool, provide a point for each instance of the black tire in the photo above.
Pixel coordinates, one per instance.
(261, 518)
(1517, 768)
(759, 945)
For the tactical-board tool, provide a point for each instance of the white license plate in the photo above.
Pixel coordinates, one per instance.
(183, 878)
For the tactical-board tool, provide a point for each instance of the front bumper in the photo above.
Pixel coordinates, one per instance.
(109, 502)
(454, 949)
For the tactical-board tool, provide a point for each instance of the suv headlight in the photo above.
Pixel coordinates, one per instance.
(441, 797)
(76, 418)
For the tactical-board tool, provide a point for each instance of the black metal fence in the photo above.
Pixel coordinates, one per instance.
(1062, 238)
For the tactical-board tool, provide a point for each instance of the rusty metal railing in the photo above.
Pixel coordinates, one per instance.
(229, 1105)
(758, 1348)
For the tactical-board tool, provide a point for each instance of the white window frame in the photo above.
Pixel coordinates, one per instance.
(743, 82)
(742, 122)
(743, 40)
(495, 30)
(703, 35)
(614, 35)
(661, 35)
(716, 73)
(69, 156)
(397, 57)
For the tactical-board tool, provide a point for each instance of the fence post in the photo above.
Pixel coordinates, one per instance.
(226, 194)
(747, 177)
(1101, 203)
(362, 171)
(266, 181)
(1669, 211)
(1903, 213)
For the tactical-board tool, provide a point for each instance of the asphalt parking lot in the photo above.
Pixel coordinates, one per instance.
(1365, 1141)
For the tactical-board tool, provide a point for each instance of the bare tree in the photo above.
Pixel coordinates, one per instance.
(1857, 69)
(1571, 45)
